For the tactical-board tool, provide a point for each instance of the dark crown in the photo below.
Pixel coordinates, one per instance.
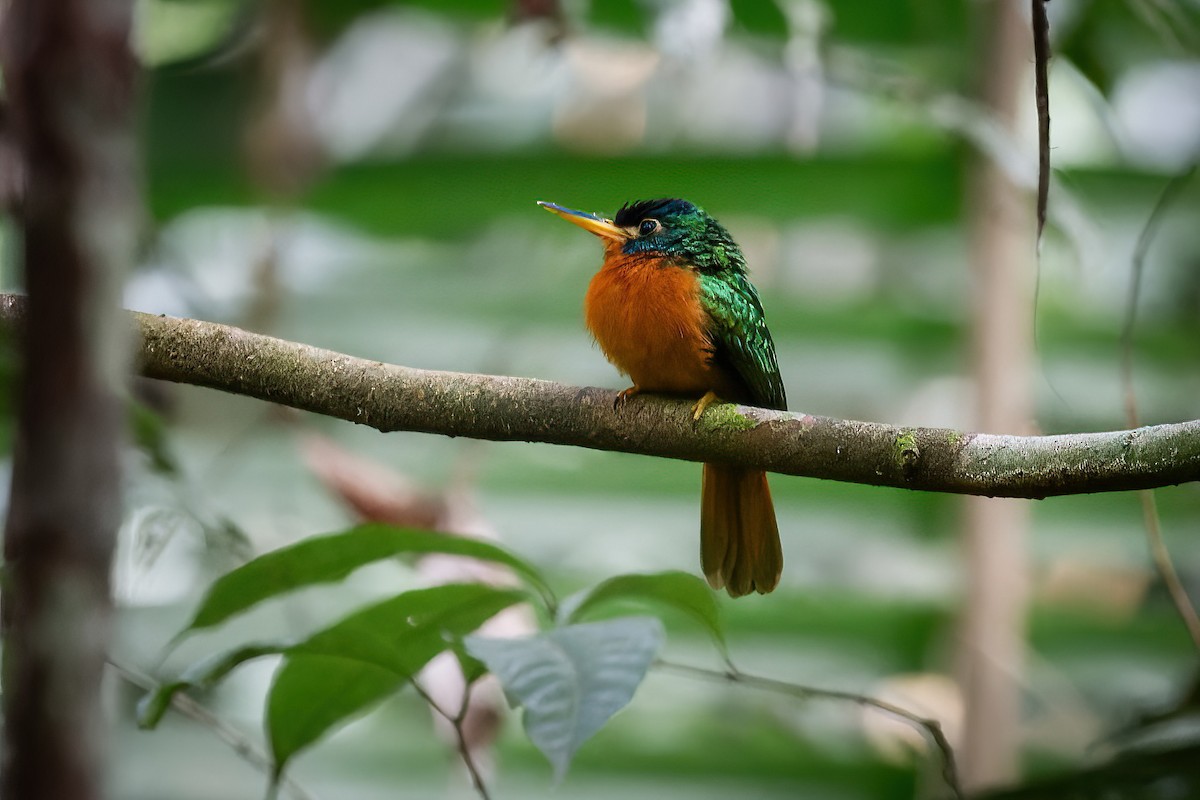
(632, 213)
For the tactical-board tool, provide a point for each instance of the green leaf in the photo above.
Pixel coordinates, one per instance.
(313, 693)
(150, 434)
(571, 680)
(933, 22)
(330, 558)
(472, 668)
(756, 17)
(348, 667)
(673, 589)
(202, 675)
(169, 32)
(621, 15)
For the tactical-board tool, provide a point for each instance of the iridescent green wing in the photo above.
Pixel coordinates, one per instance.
(740, 336)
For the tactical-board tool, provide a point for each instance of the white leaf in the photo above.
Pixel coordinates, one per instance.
(571, 680)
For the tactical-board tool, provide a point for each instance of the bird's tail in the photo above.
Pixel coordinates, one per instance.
(739, 538)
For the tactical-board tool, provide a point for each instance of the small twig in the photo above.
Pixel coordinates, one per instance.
(1166, 567)
(929, 727)
(240, 743)
(1158, 548)
(456, 720)
(1138, 263)
(1041, 58)
(463, 749)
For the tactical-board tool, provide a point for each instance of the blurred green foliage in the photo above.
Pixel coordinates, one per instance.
(443, 261)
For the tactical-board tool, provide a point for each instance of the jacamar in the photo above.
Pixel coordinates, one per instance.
(672, 308)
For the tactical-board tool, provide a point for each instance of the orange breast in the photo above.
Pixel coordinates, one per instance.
(649, 322)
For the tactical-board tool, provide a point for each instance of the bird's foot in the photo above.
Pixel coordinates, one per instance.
(702, 404)
(623, 397)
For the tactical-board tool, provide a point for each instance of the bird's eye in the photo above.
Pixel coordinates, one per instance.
(648, 227)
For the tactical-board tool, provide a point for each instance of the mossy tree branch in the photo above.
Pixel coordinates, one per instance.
(394, 398)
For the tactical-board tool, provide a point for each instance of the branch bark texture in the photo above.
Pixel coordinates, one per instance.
(389, 398)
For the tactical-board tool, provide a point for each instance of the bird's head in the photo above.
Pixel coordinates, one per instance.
(668, 229)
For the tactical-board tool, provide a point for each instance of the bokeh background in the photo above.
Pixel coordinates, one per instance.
(361, 176)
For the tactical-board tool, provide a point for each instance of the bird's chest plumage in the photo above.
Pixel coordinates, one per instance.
(649, 321)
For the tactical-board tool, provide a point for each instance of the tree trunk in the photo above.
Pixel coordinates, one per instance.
(1001, 221)
(70, 81)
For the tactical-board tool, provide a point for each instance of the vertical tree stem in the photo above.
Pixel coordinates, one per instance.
(1002, 229)
(70, 80)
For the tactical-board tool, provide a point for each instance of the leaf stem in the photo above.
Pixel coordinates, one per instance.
(239, 742)
(456, 720)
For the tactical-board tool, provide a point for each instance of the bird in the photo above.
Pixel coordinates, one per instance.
(672, 308)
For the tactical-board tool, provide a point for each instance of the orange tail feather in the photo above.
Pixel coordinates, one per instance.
(739, 538)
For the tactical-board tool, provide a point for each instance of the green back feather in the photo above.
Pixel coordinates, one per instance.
(743, 342)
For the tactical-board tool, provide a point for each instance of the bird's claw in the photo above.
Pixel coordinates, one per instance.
(703, 403)
(623, 397)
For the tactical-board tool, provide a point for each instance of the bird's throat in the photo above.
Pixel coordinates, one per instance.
(647, 317)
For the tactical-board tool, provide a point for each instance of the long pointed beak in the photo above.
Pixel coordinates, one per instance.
(589, 222)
